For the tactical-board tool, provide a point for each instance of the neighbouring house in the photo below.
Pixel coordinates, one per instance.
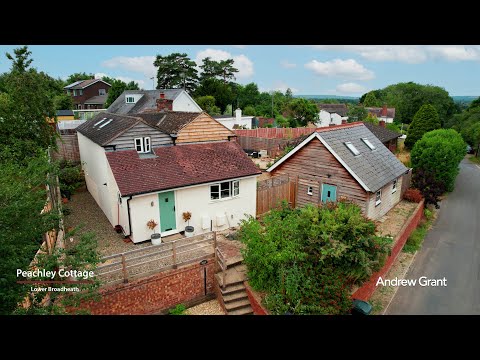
(156, 166)
(382, 113)
(344, 161)
(331, 114)
(262, 122)
(88, 94)
(235, 122)
(386, 136)
(137, 101)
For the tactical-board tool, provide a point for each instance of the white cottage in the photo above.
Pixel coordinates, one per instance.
(331, 114)
(155, 166)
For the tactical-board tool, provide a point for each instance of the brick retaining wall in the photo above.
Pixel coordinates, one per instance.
(368, 288)
(257, 307)
(156, 293)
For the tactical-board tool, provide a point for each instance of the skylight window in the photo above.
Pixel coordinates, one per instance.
(98, 122)
(105, 124)
(368, 143)
(352, 148)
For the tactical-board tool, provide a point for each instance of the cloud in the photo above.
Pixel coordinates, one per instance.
(346, 69)
(239, 46)
(141, 83)
(241, 62)
(350, 88)
(287, 65)
(410, 54)
(281, 86)
(140, 64)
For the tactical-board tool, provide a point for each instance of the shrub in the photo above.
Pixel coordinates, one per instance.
(413, 195)
(426, 119)
(428, 184)
(438, 154)
(178, 310)
(307, 259)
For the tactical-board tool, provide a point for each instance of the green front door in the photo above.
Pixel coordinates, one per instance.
(329, 193)
(166, 201)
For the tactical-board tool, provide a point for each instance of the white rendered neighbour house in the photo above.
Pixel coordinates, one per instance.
(158, 165)
(331, 114)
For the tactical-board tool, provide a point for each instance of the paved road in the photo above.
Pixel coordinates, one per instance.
(451, 249)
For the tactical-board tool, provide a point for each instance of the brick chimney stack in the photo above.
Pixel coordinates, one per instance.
(344, 122)
(381, 123)
(384, 111)
(162, 95)
(164, 104)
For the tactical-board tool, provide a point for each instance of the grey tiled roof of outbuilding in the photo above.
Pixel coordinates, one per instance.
(147, 102)
(375, 168)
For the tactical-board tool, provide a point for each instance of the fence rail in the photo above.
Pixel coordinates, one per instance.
(134, 264)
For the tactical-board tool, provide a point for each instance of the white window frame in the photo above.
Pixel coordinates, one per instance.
(394, 186)
(74, 92)
(369, 144)
(127, 98)
(100, 92)
(80, 92)
(378, 199)
(309, 190)
(352, 148)
(233, 190)
(145, 144)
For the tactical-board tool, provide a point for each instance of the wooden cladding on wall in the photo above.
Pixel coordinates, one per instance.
(203, 128)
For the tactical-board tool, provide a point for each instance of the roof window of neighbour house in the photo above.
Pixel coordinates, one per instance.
(369, 144)
(105, 123)
(352, 148)
(101, 92)
(129, 99)
(98, 122)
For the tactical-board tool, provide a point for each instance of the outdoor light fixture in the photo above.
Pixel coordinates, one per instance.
(152, 203)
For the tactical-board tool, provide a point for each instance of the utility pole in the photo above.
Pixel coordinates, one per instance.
(153, 81)
(273, 92)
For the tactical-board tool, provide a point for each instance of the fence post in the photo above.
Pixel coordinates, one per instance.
(174, 248)
(124, 269)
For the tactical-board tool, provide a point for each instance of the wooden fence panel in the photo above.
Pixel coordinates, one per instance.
(406, 181)
(271, 192)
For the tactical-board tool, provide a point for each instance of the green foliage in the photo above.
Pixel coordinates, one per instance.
(222, 69)
(178, 310)
(222, 92)
(282, 121)
(307, 259)
(228, 110)
(20, 60)
(248, 95)
(357, 113)
(79, 76)
(249, 111)
(439, 153)
(118, 87)
(467, 124)
(371, 119)
(393, 127)
(425, 120)
(415, 240)
(63, 102)
(176, 71)
(303, 111)
(371, 100)
(207, 103)
(70, 177)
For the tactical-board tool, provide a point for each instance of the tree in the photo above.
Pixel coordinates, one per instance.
(223, 93)
(430, 187)
(118, 87)
(371, 119)
(63, 102)
(438, 153)
(228, 110)
(79, 76)
(176, 71)
(249, 111)
(207, 103)
(218, 69)
(425, 120)
(371, 100)
(289, 94)
(282, 121)
(356, 113)
(303, 111)
(20, 60)
(248, 95)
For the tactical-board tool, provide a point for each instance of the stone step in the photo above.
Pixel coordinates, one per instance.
(235, 296)
(233, 261)
(237, 304)
(241, 311)
(232, 277)
(231, 289)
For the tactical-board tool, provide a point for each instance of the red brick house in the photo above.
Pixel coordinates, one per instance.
(88, 94)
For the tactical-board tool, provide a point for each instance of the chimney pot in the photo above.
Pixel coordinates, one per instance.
(344, 122)
(381, 123)
(162, 95)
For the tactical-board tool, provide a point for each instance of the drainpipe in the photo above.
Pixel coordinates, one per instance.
(174, 138)
(129, 218)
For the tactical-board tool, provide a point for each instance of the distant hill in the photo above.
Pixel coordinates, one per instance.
(464, 99)
(320, 97)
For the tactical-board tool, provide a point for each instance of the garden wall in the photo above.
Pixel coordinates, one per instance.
(156, 293)
(368, 288)
(257, 307)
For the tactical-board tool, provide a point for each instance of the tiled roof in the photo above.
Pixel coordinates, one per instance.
(170, 122)
(82, 84)
(179, 166)
(340, 109)
(383, 134)
(99, 99)
(103, 135)
(146, 102)
(375, 168)
(64, 112)
(377, 111)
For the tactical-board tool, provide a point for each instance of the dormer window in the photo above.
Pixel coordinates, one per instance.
(368, 143)
(352, 148)
(129, 99)
(142, 145)
(101, 92)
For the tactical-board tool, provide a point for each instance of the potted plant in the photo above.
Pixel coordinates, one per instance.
(187, 215)
(155, 237)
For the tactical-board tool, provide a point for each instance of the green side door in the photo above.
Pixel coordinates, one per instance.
(329, 193)
(166, 203)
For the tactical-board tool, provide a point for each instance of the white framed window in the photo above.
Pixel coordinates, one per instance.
(101, 92)
(310, 190)
(378, 197)
(80, 92)
(129, 99)
(368, 143)
(394, 186)
(352, 148)
(225, 190)
(143, 145)
(74, 92)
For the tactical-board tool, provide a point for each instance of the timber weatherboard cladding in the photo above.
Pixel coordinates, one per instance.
(126, 141)
(203, 128)
(312, 164)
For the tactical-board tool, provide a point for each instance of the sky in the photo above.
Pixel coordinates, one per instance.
(307, 69)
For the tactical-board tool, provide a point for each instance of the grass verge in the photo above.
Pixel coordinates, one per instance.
(474, 159)
(415, 240)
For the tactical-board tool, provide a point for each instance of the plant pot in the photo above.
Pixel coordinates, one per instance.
(156, 239)
(118, 229)
(189, 231)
